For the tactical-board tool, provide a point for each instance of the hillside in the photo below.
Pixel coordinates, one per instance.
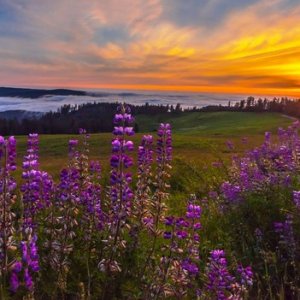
(215, 123)
(36, 93)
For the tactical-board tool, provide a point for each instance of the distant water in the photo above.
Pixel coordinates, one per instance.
(52, 103)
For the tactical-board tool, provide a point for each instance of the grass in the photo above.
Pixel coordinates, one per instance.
(198, 138)
(216, 123)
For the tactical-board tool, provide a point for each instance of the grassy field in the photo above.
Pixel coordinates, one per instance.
(216, 123)
(198, 139)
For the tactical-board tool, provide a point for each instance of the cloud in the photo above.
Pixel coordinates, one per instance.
(167, 44)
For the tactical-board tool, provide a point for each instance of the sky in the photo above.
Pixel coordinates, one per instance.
(224, 46)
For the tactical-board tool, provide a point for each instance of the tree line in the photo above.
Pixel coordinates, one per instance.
(283, 105)
(94, 117)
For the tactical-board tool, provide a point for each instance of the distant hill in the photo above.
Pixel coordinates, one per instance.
(36, 93)
(19, 115)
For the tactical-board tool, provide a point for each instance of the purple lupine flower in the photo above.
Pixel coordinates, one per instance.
(197, 226)
(118, 130)
(148, 222)
(121, 193)
(190, 267)
(91, 197)
(73, 153)
(28, 280)
(193, 211)
(14, 277)
(73, 143)
(7, 198)
(17, 267)
(167, 235)
(118, 118)
(145, 159)
(181, 234)
(181, 222)
(230, 145)
(287, 237)
(258, 234)
(267, 136)
(246, 275)
(231, 192)
(219, 279)
(37, 185)
(29, 265)
(129, 131)
(11, 159)
(14, 282)
(116, 145)
(169, 221)
(271, 164)
(296, 198)
(164, 143)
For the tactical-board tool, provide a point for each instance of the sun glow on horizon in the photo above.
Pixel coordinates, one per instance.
(252, 47)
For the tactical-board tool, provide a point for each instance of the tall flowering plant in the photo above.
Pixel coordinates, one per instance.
(7, 200)
(80, 238)
(157, 207)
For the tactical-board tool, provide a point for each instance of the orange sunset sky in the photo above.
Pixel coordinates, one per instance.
(250, 47)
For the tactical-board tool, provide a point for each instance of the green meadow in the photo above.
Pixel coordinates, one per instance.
(201, 158)
(199, 139)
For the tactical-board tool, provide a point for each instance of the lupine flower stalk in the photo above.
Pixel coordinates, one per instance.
(157, 205)
(179, 264)
(142, 199)
(296, 198)
(91, 221)
(63, 218)
(163, 158)
(24, 269)
(7, 199)
(287, 238)
(121, 194)
(145, 160)
(219, 279)
(36, 188)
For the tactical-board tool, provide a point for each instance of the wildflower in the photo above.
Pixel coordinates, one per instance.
(169, 221)
(181, 234)
(219, 279)
(296, 197)
(167, 235)
(14, 282)
(287, 238)
(246, 275)
(193, 211)
(190, 267)
(230, 145)
(231, 191)
(120, 192)
(29, 265)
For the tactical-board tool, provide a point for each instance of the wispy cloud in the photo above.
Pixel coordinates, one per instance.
(216, 45)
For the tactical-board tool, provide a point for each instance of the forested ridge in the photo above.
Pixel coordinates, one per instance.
(96, 117)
